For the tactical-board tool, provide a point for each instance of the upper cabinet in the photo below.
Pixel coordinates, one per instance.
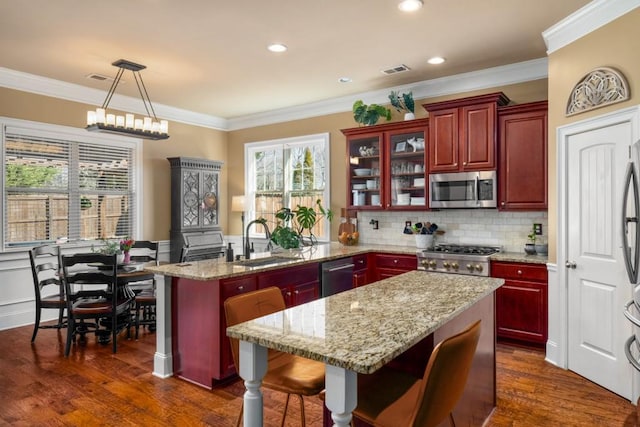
(386, 166)
(522, 147)
(462, 133)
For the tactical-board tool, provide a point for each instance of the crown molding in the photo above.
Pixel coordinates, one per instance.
(584, 21)
(491, 77)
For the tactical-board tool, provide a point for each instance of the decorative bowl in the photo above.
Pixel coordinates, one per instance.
(362, 171)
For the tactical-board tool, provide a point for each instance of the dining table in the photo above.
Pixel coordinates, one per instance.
(360, 330)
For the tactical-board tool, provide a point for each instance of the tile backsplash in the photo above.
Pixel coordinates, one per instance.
(470, 226)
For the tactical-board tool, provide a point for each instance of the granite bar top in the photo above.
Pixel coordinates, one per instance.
(366, 327)
(220, 269)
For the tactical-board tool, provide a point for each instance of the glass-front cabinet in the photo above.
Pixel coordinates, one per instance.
(387, 166)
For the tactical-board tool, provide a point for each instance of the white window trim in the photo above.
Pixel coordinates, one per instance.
(80, 135)
(249, 188)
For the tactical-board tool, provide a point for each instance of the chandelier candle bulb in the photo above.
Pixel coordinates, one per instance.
(146, 124)
(111, 119)
(164, 126)
(91, 118)
(155, 127)
(100, 115)
(129, 121)
(120, 121)
(138, 124)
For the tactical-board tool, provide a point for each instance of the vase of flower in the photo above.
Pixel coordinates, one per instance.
(127, 257)
(125, 247)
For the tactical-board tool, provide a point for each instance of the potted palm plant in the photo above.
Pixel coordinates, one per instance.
(403, 102)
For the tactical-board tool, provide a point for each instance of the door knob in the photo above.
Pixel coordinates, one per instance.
(571, 265)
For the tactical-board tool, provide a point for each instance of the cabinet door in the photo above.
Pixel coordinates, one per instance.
(360, 271)
(521, 311)
(522, 171)
(229, 288)
(478, 137)
(406, 168)
(443, 140)
(365, 172)
(305, 292)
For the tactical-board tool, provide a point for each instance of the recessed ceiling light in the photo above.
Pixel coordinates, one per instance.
(435, 60)
(277, 47)
(345, 80)
(410, 5)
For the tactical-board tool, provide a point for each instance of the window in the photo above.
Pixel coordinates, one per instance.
(287, 172)
(65, 184)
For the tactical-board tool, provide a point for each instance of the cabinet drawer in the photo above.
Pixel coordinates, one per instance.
(289, 276)
(232, 287)
(360, 262)
(403, 262)
(509, 270)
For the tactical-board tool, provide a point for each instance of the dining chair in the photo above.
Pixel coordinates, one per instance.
(109, 305)
(144, 287)
(286, 372)
(45, 268)
(391, 398)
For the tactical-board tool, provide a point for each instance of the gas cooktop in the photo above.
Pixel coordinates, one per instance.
(464, 249)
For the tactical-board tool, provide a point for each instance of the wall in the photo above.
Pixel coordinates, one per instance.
(480, 226)
(612, 46)
(518, 93)
(185, 140)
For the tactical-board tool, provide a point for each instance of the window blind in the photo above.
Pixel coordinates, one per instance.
(64, 189)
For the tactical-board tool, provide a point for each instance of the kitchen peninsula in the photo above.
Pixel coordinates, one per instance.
(193, 345)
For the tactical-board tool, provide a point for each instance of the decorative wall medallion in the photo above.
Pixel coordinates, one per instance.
(602, 86)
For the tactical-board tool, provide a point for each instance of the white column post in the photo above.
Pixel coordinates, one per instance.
(253, 366)
(163, 359)
(342, 394)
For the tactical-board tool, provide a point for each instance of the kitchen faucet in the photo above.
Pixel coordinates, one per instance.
(247, 245)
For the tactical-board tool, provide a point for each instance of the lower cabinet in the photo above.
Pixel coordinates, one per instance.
(298, 284)
(521, 303)
(228, 289)
(389, 265)
(360, 270)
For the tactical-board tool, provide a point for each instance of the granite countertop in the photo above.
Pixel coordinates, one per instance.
(366, 327)
(214, 269)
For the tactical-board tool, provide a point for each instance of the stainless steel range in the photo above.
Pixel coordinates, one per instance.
(457, 259)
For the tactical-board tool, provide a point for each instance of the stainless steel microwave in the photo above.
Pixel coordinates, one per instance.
(463, 190)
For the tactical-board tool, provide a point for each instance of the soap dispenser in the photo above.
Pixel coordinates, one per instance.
(229, 252)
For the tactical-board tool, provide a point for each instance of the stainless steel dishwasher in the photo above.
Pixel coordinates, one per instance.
(336, 276)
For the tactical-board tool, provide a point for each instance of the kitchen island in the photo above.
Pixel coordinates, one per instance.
(359, 331)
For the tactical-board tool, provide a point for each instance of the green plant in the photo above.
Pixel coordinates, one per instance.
(532, 236)
(402, 102)
(110, 247)
(369, 114)
(293, 224)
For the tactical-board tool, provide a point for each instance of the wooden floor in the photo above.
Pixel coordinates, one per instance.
(39, 386)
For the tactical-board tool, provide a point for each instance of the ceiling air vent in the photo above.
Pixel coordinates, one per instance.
(101, 78)
(397, 69)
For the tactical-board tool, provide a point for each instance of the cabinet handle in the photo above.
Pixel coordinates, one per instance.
(241, 288)
(520, 272)
(502, 203)
(395, 261)
(288, 294)
(464, 163)
(455, 164)
(296, 292)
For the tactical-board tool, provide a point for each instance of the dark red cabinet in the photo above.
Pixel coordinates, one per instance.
(299, 284)
(462, 133)
(360, 270)
(389, 265)
(521, 303)
(522, 147)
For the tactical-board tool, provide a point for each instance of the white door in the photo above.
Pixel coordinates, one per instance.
(598, 286)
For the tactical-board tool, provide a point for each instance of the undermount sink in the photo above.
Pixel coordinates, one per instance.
(261, 262)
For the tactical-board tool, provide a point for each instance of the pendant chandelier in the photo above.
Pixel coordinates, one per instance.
(149, 127)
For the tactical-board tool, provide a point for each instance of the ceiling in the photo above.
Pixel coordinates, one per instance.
(210, 57)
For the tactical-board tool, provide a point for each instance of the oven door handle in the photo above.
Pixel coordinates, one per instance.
(478, 189)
